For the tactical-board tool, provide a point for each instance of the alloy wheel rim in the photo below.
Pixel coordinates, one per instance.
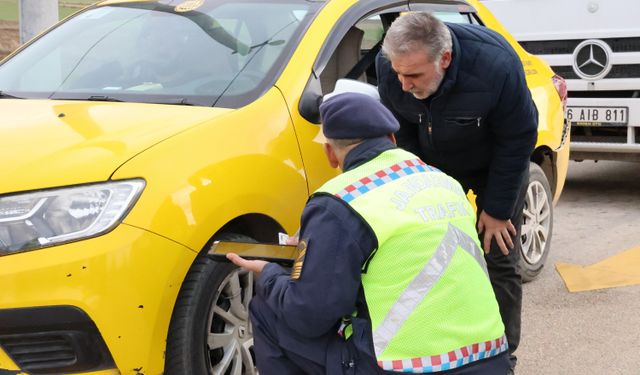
(229, 333)
(536, 223)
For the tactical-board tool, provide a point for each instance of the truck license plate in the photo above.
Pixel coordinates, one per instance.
(598, 116)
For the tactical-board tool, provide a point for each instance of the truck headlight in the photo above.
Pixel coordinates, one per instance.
(43, 218)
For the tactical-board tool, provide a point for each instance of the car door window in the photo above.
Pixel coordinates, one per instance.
(373, 31)
(452, 17)
(358, 45)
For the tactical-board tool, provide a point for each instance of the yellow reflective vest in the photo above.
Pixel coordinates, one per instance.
(426, 287)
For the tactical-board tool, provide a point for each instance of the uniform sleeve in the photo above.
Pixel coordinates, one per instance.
(514, 124)
(407, 135)
(338, 243)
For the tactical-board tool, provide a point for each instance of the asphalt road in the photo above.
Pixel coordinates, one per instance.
(594, 332)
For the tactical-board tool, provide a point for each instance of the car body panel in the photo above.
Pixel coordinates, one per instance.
(69, 142)
(238, 164)
(292, 84)
(6, 364)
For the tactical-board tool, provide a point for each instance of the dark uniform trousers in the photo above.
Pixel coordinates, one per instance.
(505, 276)
(330, 354)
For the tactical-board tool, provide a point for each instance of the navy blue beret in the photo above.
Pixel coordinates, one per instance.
(353, 116)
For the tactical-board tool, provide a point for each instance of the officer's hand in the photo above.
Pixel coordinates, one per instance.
(251, 265)
(502, 230)
(293, 241)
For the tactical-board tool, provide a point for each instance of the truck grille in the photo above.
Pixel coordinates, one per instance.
(606, 94)
(566, 47)
(617, 71)
(605, 134)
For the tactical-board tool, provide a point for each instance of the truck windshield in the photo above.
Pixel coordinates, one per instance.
(223, 53)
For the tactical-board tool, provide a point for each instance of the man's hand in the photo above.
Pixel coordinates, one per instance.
(251, 265)
(502, 230)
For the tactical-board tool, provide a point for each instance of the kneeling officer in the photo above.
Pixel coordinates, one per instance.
(390, 276)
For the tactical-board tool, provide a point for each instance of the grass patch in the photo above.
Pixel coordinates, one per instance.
(8, 10)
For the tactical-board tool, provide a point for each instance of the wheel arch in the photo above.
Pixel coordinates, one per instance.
(260, 227)
(546, 159)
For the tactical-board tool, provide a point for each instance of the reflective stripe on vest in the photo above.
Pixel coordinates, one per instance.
(383, 176)
(422, 284)
(448, 361)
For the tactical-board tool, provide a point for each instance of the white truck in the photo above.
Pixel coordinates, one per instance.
(595, 46)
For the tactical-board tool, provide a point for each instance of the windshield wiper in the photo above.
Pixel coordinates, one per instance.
(265, 43)
(176, 101)
(103, 98)
(4, 95)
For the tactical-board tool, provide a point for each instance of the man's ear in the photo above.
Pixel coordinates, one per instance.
(331, 155)
(392, 138)
(445, 60)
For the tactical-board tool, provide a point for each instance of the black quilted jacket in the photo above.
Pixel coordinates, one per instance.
(480, 127)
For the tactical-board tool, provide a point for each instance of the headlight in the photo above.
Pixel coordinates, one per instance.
(44, 218)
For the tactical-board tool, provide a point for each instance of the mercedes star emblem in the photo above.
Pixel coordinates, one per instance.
(592, 59)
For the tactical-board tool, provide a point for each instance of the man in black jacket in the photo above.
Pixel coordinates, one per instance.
(460, 95)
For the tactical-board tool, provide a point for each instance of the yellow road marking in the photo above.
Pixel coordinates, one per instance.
(619, 270)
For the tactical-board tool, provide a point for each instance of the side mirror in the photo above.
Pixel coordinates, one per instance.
(309, 106)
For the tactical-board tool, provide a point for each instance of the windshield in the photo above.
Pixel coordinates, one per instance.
(224, 53)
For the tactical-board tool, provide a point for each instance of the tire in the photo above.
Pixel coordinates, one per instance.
(210, 331)
(537, 225)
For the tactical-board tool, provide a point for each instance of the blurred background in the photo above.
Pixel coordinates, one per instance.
(10, 16)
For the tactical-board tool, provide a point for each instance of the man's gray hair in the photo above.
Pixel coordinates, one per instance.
(414, 31)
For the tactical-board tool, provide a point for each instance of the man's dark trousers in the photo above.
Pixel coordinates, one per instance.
(505, 276)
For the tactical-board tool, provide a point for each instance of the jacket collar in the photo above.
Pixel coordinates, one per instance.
(366, 151)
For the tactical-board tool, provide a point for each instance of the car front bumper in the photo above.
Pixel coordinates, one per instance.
(124, 284)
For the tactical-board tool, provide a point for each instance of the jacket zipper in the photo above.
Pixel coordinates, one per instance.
(428, 125)
(430, 122)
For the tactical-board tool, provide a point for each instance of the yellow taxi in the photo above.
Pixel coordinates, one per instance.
(134, 134)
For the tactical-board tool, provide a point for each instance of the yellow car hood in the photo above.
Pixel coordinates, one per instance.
(45, 143)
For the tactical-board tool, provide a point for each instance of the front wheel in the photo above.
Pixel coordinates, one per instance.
(210, 332)
(537, 224)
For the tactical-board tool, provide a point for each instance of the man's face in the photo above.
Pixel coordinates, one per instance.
(418, 75)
